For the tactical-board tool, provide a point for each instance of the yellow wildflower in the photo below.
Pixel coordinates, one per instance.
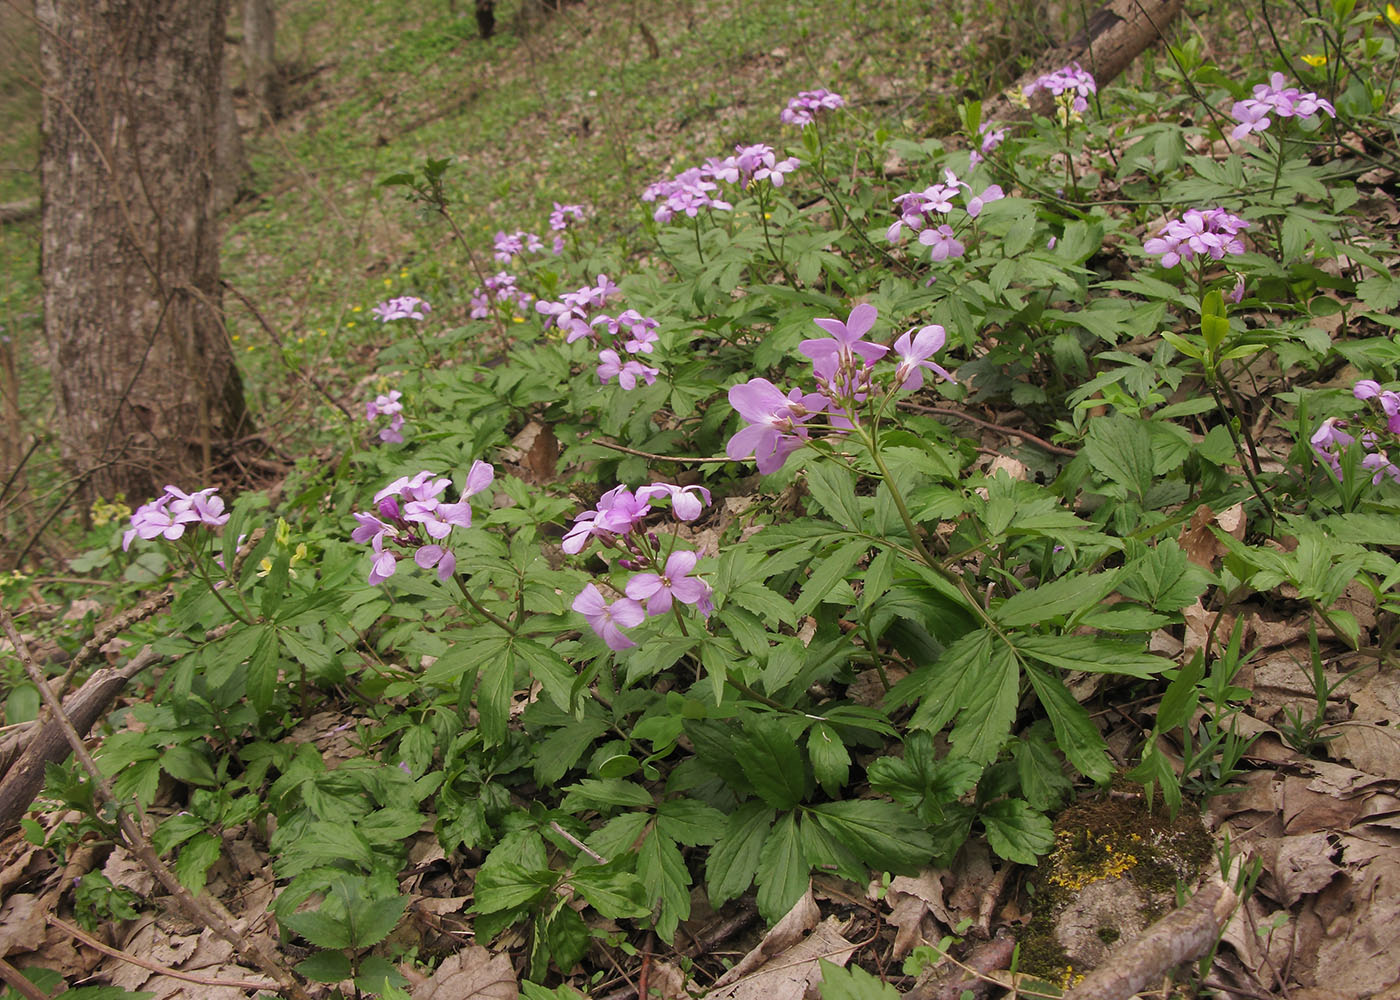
(1315, 62)
(1392, 14)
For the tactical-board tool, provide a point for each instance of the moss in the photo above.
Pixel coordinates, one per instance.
(1111, 838)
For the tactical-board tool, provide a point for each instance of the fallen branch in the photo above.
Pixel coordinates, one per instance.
(972, 975)
(18, 211)
(1181, 936)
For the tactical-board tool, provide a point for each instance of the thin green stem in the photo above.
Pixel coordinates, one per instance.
(494, 619)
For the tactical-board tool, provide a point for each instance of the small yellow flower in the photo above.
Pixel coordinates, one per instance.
(252, 347)
(321, 330)
(388, 282)
(355, 309)
(235, 338)
(1315, 61)
(517, 319)
(301, 340)
(283, 535)
(349, 324)
(403, 274)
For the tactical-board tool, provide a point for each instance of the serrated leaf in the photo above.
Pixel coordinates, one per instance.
(1182, 695)
(508, 886)
(690, 822)
(1075, 733)
(663, 870)
(196, 857)
(938, 687)
(1104, 656)
(988, 708)
(831, 761)
(882, 834)
(325, 967)
(834, 488)
(853, 984)
(782, 870)
(772, 762)
(601, 793)
(377, 972)
(1119, 448)
(1058, 598)
(318, 928)
(567, 936)
(611, 892)
(829, 572)
(370, 921)
(734, 859)
(1017, 832)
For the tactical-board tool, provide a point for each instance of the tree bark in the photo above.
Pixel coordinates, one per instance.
(260, 58)
(143, 373)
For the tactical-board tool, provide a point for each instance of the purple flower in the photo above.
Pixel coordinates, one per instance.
(942, 242)
(168, 515)
(684, 505)
(1389, 401)
(1071, 80)
(627, 373)
(975, 203)
(689, 192)
(387, 406)
(775, 420)
(510, 245)
(846, 338)
(619, 511)
(759, 162)
(991, 139)
(1237, 293)
(1328, 441)
(801, 109)
(1274, 98)
(1212, 233)
(559, 218)
(606, 620)
(408, 509)
(914, 351)
(403, 307)
(658, 590)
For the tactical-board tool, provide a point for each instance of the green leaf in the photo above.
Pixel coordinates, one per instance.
(1017, 832)
(1182, 695)
(772, 763)
(882, 834)
(493, 697)
(834, 488)
(1057, 599)
(1104, 656)
(1119, 448)
(549, 668)
(690, 822)
(663, 870)
(611, 892)
(197, 856)
(1163, 577)
(940, 687)
(370, 921)
(263, 668)
(734, 859)
(567, 936)
(602, 793)
(508, 886)
(989, 708)
(831, 762)
(782, 870)
(853, 984)
(318, 928)
(376, 973)
(325, 967)
(1075, 733)
(831, 571)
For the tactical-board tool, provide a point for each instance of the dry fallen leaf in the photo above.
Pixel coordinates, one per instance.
(790, 974)
(1300, 866)
(472, 972)
(803, 916)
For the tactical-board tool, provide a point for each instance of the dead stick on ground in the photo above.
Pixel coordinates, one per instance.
(16, 981)
(208, 912)
(1181, 936)
(109, 630)
(164, 970)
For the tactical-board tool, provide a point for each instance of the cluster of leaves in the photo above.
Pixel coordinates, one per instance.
(746, 752)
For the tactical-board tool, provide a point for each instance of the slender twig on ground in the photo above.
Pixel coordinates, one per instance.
(164, 970)
(943, 411)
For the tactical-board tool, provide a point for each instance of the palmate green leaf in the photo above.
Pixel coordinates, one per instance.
(185, 763)
(1075, 733)
(561, 749)
(882, 834)
(663, 871)
(612, 892)
(1182, 695)
(370, 921)
(734, 859)
(604, 793)
(493, 696)
(263, 667)
(1064, 597)
(853, 984)
(763, 601)
(772, 762)
(1119, 448)
(690, 822)
(318, 928)
(505, 885)
(988, 708)
(939, 688)
(783, 870)
(548, 667)
(196, 857)
(567, 937)
(1104, 656)
(1039, 769)
(1162, 577)
(376, 973)
(1015, 831)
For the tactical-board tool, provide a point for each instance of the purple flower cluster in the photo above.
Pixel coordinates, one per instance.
(1329, 440)
(634, 334)
(752, 163)
(559, 221)
(168, 515)
(842, 368)
(694, 189)
(501, 287)
(1274, 98)
(1211, 233)
(411, 515)
(802, 109)
(573, 309)
(618, 522)
(387, 405)
(403, 307)
(511, 245)
(925, 213)
(1071, 80)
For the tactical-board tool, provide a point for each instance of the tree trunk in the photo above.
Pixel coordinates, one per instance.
(143, 373)
(260, 58)
(230, 161)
